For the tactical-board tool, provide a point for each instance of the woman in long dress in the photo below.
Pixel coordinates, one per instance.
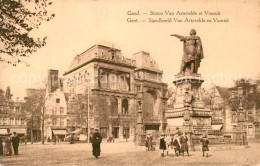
(8, 146)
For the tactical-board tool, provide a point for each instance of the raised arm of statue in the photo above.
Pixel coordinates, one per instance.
(182, 38)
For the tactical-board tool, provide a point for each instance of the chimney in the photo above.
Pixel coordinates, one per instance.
(53, 80)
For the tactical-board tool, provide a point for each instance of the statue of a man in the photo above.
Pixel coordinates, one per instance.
(192, 52)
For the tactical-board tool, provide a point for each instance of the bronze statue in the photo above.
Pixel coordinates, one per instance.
(192, 52)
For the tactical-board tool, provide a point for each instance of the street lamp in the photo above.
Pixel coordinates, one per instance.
(241, 116)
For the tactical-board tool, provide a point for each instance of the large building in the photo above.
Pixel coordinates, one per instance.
(236, 105)
(12, 114)
(112, 86)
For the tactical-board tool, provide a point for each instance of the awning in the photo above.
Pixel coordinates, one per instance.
(59, 132)
(3, 132)
(217, 127)
(17, 130)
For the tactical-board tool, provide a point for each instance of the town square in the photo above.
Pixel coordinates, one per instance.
(98, 83)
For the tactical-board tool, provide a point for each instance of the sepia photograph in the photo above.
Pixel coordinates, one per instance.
(107, 82)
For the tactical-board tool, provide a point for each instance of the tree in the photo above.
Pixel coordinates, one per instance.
(34, 106)
(17, 19)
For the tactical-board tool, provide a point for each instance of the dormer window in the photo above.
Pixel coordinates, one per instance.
(57, 100)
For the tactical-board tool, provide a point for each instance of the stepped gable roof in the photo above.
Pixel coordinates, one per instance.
(224, 93)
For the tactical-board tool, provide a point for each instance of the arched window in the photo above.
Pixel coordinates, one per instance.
(125, 106)
(113, 105)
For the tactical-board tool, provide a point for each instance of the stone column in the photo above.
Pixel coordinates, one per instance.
(119, 100)
(121, 131)
(110, 129)
(95, 77)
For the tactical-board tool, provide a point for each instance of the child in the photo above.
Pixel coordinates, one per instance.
(162, 144)
(205, 145)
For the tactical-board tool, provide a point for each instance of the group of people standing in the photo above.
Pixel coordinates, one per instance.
(149, 142)
(176, 144)
(7, 143)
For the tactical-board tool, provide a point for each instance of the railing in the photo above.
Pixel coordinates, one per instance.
(217, 137)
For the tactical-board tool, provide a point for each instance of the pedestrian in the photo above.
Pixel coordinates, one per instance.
(176, 144)
(150, 142)
(1, 147)
(96, 140)
(146, 143)
(25, 139)
(71, 139)
(205, 145)
(162, 144)
(15, 141)
(8, 148)
(167, 141)
(170, 146)
(178, 132)
(184, 144)
(55, 139)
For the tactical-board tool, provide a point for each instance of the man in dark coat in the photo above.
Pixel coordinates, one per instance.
(96, 140)
(15, 141)
(184, 144)
(162, 144)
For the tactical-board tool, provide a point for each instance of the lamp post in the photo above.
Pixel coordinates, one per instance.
(88, 116)
(241, 116)
(187, 124)
(31, 130)
(43, 116)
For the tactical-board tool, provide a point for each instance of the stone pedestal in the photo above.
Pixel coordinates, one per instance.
(188, 111)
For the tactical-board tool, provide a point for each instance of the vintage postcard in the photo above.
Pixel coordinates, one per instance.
(98, 82)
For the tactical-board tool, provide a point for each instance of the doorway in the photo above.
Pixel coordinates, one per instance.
(126, 132)
(115, 132)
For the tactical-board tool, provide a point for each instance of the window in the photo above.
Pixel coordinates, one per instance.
(18, 109)
(61, 110)
(250, 130)
(58, 121)
(5, 121)
(125, 106)
(57, 100)
(112, 81)
(1, 120)
(17, 121)
(62, 122)
(12, 122)
(54, 111)
(54, 122)
(138, 88)
(22, 122)
(103, 80)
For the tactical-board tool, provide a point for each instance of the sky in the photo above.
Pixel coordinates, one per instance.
(231, 49)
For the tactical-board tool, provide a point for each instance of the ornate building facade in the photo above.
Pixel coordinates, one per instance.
(112, 86)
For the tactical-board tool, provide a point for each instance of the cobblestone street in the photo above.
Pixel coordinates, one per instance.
(124, 154)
